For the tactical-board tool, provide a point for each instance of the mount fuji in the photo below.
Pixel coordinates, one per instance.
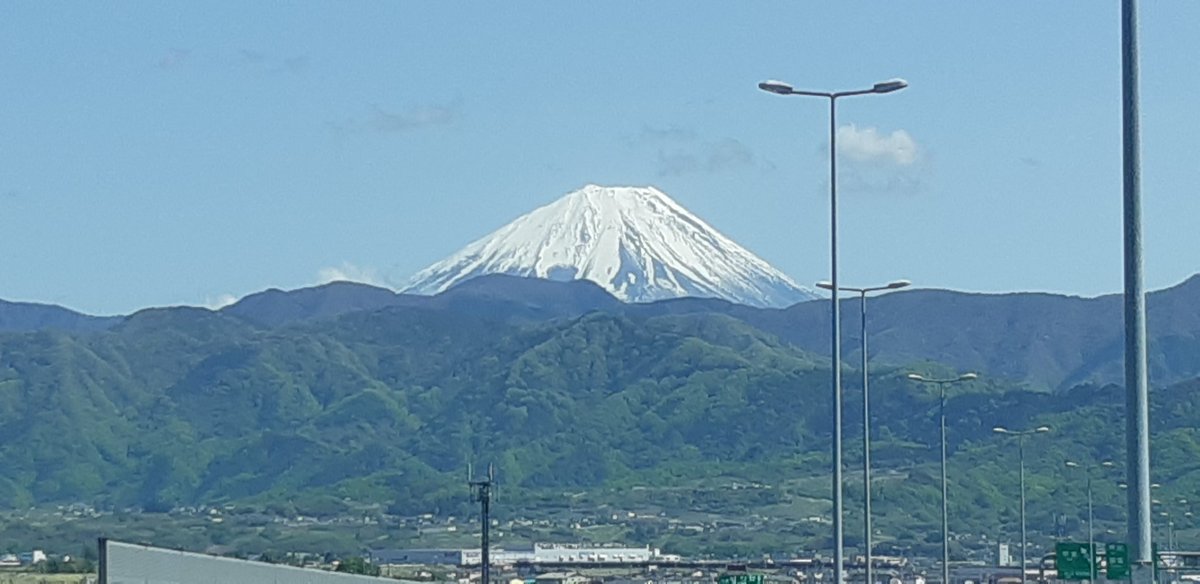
(635, 242)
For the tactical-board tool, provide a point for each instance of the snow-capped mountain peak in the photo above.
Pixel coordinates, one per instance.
(636, 242)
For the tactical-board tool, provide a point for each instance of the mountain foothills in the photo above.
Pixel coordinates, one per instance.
(324, 400)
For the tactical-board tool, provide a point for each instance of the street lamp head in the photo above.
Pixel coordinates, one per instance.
(1042, 429)
(889, 86)
(898, 284)
(1108, 464)
(1000, 430)
(915, 377)
(777, 87)
(968, 377)
(1071, 464)
(825, 285)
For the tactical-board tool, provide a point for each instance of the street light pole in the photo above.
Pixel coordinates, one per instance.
(1091, 533)
(862, 331)
(1137, 385)
(942, 383)
(781, 88)
(1092, 556)
(1021, 448)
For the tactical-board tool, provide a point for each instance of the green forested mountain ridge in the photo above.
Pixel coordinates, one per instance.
(182, 405)
(1045, 341)
(494, 296)
(29, 316)
(185, 406)
(1042, 340)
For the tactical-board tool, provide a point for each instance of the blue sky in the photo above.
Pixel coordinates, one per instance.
(156, 153)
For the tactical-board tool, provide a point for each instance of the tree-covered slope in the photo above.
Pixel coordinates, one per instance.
(186, 406)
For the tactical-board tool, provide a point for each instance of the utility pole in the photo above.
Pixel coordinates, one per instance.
(481, 491)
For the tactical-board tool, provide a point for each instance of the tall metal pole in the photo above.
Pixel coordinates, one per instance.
(485, 500)
(945, 508)
(866, 385)
(882, 87)
(1093, 557)
(1137, 395)
(866, 438)
(482, 489)
(1020, 436)
(1091, 534)
(836, 341)
(1021, 449)
(942, 383)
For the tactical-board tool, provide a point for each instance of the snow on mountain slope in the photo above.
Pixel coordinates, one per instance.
(635, 242)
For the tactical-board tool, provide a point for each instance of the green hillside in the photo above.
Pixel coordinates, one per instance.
(385, 409)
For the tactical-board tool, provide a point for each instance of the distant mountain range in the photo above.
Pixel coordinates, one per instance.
(1043, 340)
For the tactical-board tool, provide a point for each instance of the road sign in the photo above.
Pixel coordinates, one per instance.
(1073, 560)
(1117, 558)
(745, 578)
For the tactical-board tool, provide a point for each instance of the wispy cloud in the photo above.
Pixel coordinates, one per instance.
(10, 199)
(412, 118)
(671, 133)
(272, 63)
(710, 157)
(296, 64)
(680, 150)
(348, 272)
(252, 57)
(858, 180)
(174, 58)
(870, 146)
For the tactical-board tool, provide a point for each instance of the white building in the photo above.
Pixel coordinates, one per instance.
(547, 554)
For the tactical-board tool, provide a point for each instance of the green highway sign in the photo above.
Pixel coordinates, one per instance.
(1117, 558)
(746, 578)
(1073, 560)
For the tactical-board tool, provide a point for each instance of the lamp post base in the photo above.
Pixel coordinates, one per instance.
(1141, 574)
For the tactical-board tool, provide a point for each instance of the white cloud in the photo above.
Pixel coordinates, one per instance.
(348, 272)
(869, 145)
(221, 301)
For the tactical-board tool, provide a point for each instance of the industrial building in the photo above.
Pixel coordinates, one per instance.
(536, 554)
